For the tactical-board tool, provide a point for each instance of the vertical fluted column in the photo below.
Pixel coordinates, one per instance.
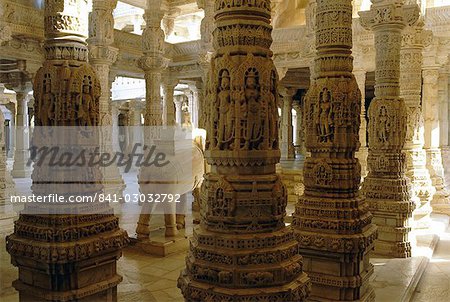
(387, 188)
(21, 169)
(430, 103)
(363, 151)
(287, 130)
(101, 56)
(66, 256)
(331, 220)
(300, 131)
(411, 60)
(242, 250)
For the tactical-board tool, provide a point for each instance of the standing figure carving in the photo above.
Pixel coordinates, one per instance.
(325, 120)
(226, 114)
(254, 131)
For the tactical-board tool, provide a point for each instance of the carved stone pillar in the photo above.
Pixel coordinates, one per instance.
(411, 60)
(332, 220)
(153, 63)
(441, 199)
(21, 169)
(168, 88)
(115, 126)
(135, 131)
(444, 99)
(287, 130)
(179, 109)
(193, 99)
(300, 131)
(242, 250)
(363, 151)
(387, 188)
(205, 54)
(6, 210)
(101, 56)
(60, 256)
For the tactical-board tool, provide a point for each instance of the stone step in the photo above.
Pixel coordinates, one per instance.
(395, 280)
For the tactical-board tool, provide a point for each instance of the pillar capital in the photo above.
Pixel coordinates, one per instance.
(287, 92)
(101, 22)
(388, 14)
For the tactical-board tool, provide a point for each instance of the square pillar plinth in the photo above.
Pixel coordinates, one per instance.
(92, 279)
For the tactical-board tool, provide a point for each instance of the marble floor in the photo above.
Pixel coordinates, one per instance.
(434, 286)
(151, 278)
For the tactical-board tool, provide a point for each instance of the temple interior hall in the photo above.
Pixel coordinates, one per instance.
(302, 148)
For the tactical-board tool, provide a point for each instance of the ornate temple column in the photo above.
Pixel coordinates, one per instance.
(62, 257)
(242, 251)
(7, 213)
(332, 220)
(363, 151)
(153, 62)
(411, 60)
(287, 130)
(430, 103)
(135, 131)
(444, 99)
(387, 188)
(206, 28)
(300, 131)
(115, 126)
(193, 98)
(22, 153)
(101, 56)
(168, 88)
(12, 134)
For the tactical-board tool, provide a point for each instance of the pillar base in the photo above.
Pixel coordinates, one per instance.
(20, 173)
(163, 246)
(338, 265)
(20, 168)
(113, 183)
(194, 291)
(7, 216)
(82, 270)
(244, 267)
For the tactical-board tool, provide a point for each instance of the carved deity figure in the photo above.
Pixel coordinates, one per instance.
(325, 118)
(85, 103)
(384, 125)
(46, 108)
(254, 131)
(226, 114)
